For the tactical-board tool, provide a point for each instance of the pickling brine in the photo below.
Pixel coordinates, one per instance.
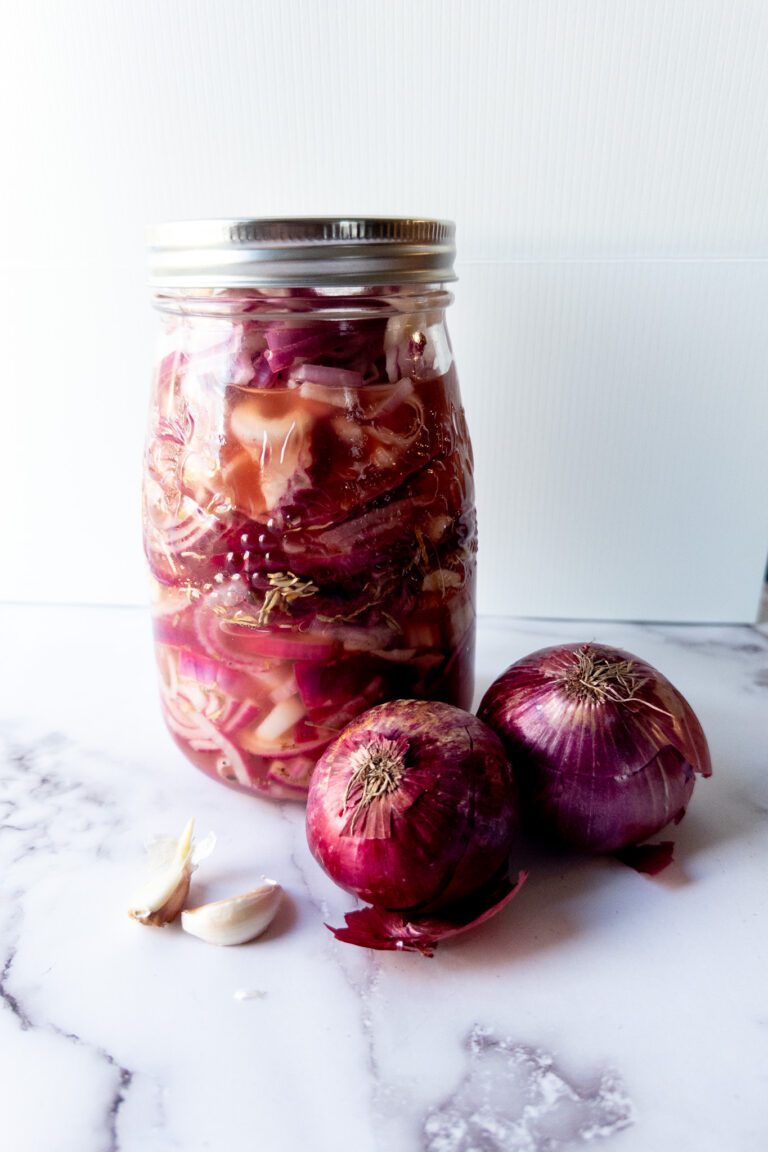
(308, 519)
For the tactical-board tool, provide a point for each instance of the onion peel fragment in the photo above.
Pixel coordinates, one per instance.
(385, 930)
(650, 859)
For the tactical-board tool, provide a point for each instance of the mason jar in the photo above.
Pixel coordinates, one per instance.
(308, 502)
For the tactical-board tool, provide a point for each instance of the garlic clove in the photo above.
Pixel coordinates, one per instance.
(162, 897)
(237, 919)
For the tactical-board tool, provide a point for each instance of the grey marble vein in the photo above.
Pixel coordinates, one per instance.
(124, 1077)
(7, 997)
(515, 1098)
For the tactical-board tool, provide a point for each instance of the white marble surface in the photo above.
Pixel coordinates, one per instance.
(600, 1009)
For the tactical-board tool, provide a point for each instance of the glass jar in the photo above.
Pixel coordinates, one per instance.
(309, 518)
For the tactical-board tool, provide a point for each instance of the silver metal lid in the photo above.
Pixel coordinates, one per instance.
(321, 251)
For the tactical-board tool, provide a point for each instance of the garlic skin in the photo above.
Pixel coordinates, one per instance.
(237, 919)
(162, 897)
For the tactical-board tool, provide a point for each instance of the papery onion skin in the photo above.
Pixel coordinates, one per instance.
(604, 770)
(437, 837)
(391, 932)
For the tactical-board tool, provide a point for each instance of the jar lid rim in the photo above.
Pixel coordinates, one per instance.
(301, 251)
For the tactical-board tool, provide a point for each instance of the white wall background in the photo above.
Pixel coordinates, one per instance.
(607, 164)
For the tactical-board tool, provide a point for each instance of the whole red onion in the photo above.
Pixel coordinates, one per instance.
(413, 809)
(604, 748)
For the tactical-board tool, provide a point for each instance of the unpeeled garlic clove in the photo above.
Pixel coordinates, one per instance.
(237, 919)
(162, 898)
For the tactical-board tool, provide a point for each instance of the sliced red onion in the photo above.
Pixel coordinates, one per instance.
(604, 748)
(399, 438)
(175, 522)
(332, 718)
(169, 372)
(263, 376)
(175, 628)
(280, 644)
(324, 377)
(169, 602)
(307, 460)
(205, 721)
(282, 336)
(394, 395)
(210, 610)
(224, 355)
(190, 696)
(412, 809)
(280, 681)
(325, 685)
(279, 720)
(228, 629)
(321, 684)
(356, 545)
(304, 348)
(290, 776)
(286, 751)
(417, 345)
(231, 764)
(207, 671)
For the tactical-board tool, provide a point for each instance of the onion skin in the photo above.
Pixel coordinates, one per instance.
(596, 774)
(391, 932)
(437, 838)
(650, 859)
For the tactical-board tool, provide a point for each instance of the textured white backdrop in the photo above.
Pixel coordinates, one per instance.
(607, 164)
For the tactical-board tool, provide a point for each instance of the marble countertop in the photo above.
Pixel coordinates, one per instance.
(601, 1009)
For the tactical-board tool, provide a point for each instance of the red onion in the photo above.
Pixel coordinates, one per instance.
(604, 748)
(413, 809)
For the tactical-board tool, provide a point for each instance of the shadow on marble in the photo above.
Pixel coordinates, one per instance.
(738, 814)
(551, 910)
(566, 896)
(285, 919)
